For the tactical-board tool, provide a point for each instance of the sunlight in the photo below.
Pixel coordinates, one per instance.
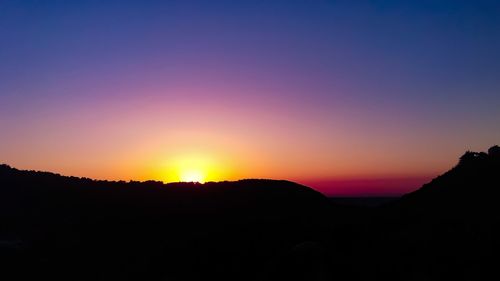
(192, 176)
(191, 167)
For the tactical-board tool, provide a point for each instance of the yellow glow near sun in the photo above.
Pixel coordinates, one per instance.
(191, 167)
(192, 176)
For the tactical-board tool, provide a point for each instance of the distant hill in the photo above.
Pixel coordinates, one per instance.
(264, 196)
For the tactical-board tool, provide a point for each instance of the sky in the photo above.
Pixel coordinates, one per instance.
(352, 98)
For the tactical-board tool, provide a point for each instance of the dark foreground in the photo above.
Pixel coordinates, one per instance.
(66, 228)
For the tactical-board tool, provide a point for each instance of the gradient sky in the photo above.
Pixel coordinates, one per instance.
(349, 97)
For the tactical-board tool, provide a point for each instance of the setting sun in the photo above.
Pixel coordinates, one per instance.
(193, 166)
(192, 176)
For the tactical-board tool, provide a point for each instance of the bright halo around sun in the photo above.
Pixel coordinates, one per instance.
(193, 167)
(192, 176)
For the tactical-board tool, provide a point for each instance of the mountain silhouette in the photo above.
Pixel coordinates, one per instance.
(472, 187)
(87, 229)
(59, 228)
(450, 227)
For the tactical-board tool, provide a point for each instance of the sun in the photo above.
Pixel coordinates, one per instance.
(192, 176)
(192, 167)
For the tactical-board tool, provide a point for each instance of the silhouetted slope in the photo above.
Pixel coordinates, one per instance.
(471, 187)
(447, 230)
(86, 229)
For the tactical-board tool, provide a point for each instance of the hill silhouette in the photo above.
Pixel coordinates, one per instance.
(61, 228)
(67, 226)
(472, 187)
(450, 227)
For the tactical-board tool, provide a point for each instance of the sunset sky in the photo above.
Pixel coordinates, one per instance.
(348, 97)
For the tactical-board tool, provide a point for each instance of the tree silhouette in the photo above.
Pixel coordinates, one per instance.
(494, 151)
